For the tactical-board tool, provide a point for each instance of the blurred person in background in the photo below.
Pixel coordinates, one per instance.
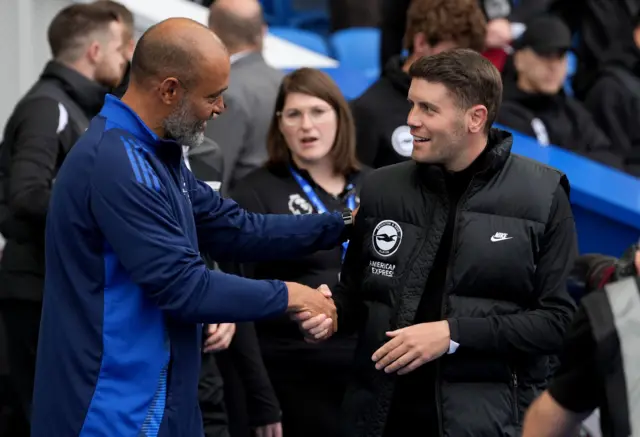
(599, 364)
(312, 168)
(88, 59)
(600, 28)
(614, 98)
(241, 132)
(504, 19)
(534, 102)
(129, 42)
(346, 14)
(380, 114)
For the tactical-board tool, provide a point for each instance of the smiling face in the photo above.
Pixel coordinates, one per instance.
(437, 123)
(309, 126)
(199, 102)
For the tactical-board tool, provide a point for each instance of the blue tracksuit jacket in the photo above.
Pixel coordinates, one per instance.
(126, 288)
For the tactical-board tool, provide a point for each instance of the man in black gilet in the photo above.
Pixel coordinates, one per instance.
(455, 276)
(88, 59)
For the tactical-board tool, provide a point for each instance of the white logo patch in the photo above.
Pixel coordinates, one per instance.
(382, 269)
(500, 236)
(387, 237)
(402, 141)
(298, 205)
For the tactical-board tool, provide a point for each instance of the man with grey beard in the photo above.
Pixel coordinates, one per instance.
(126, 288)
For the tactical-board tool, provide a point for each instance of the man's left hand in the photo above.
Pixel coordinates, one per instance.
(413, 346)
(219, 336)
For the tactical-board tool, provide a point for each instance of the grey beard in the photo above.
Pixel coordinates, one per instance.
(180, 127)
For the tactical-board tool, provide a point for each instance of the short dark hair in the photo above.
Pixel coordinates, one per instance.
(125, 15)
(318, 84)
(467, 75)
(234, 30)
(156, 57)
(73, 25)
(459, 21)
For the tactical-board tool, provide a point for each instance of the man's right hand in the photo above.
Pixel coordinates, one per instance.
(314, 310)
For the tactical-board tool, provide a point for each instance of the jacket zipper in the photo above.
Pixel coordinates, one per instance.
(514, 388)
(443, 305)
(404, 280)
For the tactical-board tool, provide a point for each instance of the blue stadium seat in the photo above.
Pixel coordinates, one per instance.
(304, 38)
(282, 13)
(572, 63)
(358, 48)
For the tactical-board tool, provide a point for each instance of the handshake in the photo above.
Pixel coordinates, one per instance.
(314, 310)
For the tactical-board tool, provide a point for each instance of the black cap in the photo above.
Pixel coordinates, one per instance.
(545, 35)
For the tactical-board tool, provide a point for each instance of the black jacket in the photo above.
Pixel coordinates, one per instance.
(380, 114)
(324, 369)
(275, 191)
(556, 119)
(614, 101)
(512, 241)
(43, 127)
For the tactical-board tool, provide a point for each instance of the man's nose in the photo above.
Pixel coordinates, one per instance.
(412, 119)
(221, 106)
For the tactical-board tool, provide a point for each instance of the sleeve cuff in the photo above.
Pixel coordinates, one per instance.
(453, 346)
(472, 332)
(454, 334)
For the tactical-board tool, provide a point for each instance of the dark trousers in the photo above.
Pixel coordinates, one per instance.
(22, 324)
(211, 399)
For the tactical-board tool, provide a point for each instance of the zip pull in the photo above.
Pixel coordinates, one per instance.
(514, 378)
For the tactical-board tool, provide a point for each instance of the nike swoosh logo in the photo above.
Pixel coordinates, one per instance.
(494, 239)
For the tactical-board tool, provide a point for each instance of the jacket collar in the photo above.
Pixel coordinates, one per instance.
(245, 58)
(88, 94)
(120, 114)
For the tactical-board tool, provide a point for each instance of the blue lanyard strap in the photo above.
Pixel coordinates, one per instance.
(317, 203)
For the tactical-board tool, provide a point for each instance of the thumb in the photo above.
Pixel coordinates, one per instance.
(212, 328)
(324, 289)
(394, 333)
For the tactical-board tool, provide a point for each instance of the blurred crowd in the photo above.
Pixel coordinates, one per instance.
(253, 374)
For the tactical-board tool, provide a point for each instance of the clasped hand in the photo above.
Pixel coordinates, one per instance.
(413, 346)
(317, 315)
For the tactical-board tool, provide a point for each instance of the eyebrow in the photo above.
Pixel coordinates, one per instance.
(214, 95)
(318, 106)
(430, 105)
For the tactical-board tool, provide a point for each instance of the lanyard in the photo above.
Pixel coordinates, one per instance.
(317, 203)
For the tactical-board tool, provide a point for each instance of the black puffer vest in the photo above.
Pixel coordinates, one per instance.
(404, 212)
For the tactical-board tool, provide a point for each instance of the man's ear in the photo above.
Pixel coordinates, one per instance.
(94, 52)
(421, 46)
(169, 90)
(477, 118)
